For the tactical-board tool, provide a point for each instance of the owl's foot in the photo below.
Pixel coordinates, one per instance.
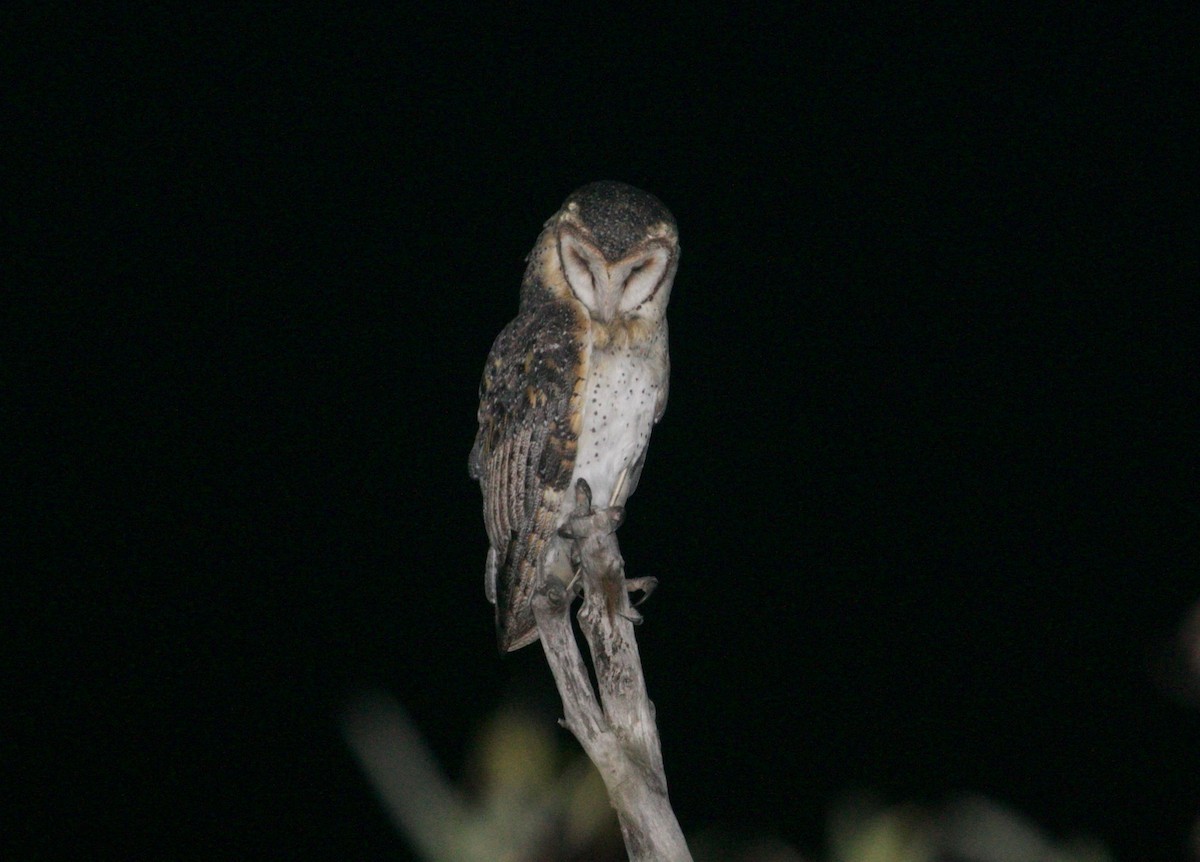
(645, 586)
(586, 522)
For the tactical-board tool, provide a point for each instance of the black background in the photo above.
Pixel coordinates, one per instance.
(924, 505)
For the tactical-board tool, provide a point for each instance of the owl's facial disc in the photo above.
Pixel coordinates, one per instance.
(607, 290)
(585, 270)
(640, 276)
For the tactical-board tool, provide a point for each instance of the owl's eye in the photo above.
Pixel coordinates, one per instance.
(578, 266)
(642, 280)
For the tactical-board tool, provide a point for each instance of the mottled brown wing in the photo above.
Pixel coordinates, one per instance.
(530, 402)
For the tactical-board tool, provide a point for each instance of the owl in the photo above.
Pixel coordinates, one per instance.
(572, 387)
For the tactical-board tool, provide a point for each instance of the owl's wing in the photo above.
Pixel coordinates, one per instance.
(530, 403)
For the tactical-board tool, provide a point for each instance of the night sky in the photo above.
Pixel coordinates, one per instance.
(924, 505)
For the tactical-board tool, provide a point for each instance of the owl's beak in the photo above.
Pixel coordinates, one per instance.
(609, 298)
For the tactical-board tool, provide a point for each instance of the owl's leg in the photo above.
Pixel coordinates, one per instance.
(618, 487)
(596, 528)
(627, 482)
(576, 570)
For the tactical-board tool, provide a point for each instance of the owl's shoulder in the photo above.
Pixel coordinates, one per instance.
(533, 377)
(541, 348)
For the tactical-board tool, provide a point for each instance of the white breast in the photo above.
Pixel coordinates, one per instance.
(621, 392)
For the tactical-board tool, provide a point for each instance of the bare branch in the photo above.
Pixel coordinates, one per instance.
(619, 734)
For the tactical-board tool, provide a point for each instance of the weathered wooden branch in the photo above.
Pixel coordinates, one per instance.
(618, 733)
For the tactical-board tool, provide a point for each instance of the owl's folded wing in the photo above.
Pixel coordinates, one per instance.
(530, 407)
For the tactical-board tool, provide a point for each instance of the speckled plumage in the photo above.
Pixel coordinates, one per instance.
(572, 386)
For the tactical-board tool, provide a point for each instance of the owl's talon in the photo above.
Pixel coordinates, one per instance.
(644, 585)
(634, 617)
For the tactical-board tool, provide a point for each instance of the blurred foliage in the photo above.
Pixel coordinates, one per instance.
(531, 796)
(528, 796)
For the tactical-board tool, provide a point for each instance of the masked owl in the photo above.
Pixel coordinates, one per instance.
(572, 387)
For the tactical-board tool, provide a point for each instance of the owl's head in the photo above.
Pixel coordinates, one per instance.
(615, 249)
